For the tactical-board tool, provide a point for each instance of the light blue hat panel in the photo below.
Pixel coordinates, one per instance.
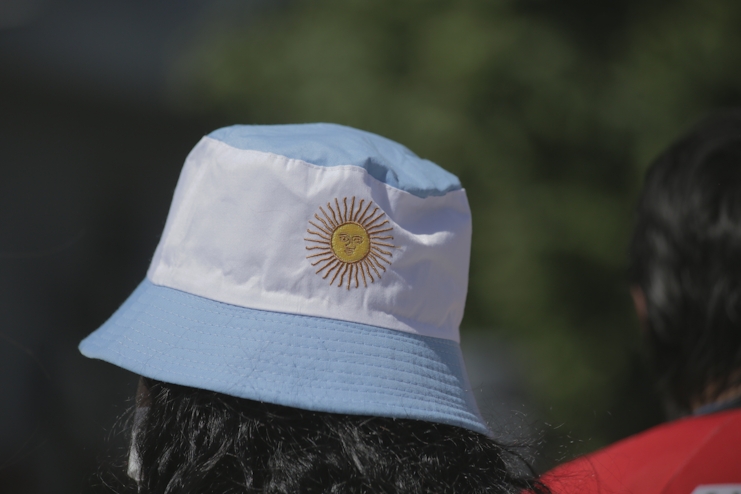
(336, 145)
(298, 361)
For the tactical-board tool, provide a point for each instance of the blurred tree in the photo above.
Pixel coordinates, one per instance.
(549, 113)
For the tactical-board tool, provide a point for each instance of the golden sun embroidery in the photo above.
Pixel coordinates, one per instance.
(349, 243)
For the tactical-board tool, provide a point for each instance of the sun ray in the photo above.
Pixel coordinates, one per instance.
(344, 215)
(379, 231)
(328, 239)
(339, 210)
(378, 249)
(333, 215)
(375, 255)
(349, 275)
(357, 280)
(319, 261)
(341, 270)
(360, 219)
(384, 244)
(368, 261)
(323, 223)
(379, 254)
(315, 247)
(319, 227)
(366, 219)
(339, 266)
(368, 267)
(352, 208)
(342, 276)
(372, 216)
(373, 260)
(325, 253)
(357, 213)
(326, 236)
(388, 237)
(370, 226)
(334, 224)
(375, 232)
(372, 231)
(360, 265)
(332, 266)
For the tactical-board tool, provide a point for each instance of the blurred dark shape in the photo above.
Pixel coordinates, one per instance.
(84, 195)
(118, 49)
(14, 13)
(90, 158)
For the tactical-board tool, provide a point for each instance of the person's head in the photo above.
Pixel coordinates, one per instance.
(298, 326)
(685, 263)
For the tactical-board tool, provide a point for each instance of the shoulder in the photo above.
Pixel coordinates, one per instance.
(670, 458)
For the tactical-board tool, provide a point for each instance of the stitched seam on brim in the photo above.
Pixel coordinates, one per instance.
(451, 407)
(307, 367)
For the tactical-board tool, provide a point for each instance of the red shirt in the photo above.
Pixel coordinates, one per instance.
(672, 458)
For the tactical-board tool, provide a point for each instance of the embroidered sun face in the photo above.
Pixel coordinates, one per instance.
(349, 243)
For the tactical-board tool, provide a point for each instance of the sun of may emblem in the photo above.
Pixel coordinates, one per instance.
(350, 243)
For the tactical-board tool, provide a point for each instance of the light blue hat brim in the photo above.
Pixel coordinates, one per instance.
(298, 361)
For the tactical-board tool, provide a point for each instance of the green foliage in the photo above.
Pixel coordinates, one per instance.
(548, 111)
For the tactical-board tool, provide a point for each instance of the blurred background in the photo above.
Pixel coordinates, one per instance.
(548, 111)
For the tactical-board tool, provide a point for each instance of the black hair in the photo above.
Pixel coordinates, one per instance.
(685, 255)
(197, 441)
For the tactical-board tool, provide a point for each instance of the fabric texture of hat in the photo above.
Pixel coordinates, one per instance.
(314, 266)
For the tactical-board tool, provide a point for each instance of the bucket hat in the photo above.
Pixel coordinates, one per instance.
(314, 266)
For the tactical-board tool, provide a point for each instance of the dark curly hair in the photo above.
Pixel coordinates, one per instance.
(197, 441)
(685, 255)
